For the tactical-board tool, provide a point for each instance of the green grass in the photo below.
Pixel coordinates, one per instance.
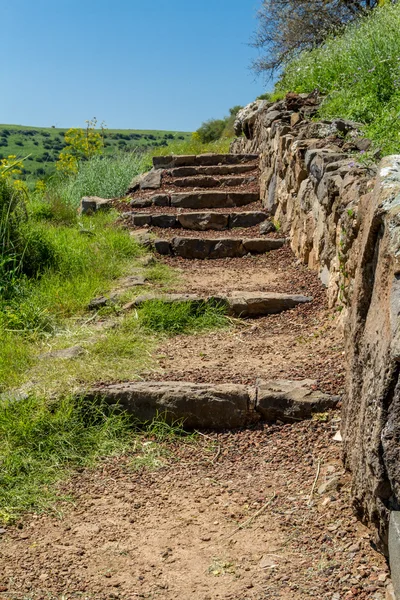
(359, 72)
(40, 442)
(44, 144)
(106, 177)
(42, 307)
(173, 318)
(43, 442)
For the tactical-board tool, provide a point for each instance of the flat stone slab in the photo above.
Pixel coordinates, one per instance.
(211, 170)
(216, 406)
(213, 199)
(239, 304)
(200, 220)
(191, 160)
(207, 181)
(152, 180)
(202, 248)
(197, 405)
(291, 401)
(257, 304)
(246, 219)
(92, 204)
(64, 354)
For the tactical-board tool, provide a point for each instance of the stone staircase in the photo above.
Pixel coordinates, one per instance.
(215, 200)
(210, 197)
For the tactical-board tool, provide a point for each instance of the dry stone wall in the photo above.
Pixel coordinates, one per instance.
(343, 220)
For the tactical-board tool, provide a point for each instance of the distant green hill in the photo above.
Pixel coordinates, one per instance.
(44, 144)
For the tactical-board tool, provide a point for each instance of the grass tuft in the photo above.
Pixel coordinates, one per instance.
(182, 317)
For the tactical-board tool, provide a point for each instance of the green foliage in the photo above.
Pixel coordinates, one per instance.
(42, 442)
(359, 72)
(182, 317)
(107, 177)
(80, 145)
(215, 129)
(45, 144)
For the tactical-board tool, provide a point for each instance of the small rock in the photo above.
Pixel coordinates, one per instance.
(64, 354)
(329, 486)
(267, 227)
(101, 301)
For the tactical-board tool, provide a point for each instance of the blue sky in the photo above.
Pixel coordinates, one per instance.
(159, 64)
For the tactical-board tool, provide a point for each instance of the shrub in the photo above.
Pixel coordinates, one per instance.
(215, 129)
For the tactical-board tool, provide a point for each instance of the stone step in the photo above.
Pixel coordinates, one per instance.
(207, 181)
(199, 221)
(200, 248)
(213, 199)
(197, 200)
(238, 303)
(212, 170)
(216, 406)
(201, 160)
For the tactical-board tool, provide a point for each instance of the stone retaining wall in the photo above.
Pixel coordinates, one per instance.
(343, 220)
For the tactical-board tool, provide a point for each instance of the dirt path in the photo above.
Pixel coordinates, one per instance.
(238, 515)
(174, 533)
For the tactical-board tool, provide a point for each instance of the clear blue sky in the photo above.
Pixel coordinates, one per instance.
(136, 64)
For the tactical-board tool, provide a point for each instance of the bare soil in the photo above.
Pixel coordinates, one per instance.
(303, 343)
(233, 516)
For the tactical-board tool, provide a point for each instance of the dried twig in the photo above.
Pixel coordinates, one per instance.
(315, 482)
(249, 521)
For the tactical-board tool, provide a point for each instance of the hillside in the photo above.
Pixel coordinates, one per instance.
(43, 144)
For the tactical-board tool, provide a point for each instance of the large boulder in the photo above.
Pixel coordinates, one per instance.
(247, 116)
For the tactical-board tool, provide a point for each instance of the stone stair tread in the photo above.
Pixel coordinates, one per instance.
(212, 170)
(201, 199)
(239, 303)
(190, 160)
(213, 199)
(208, 181)
(217, 405)
(199, 220)
(220, 247)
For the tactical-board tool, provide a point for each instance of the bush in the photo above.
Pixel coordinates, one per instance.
(215, 129)
(359, 72)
